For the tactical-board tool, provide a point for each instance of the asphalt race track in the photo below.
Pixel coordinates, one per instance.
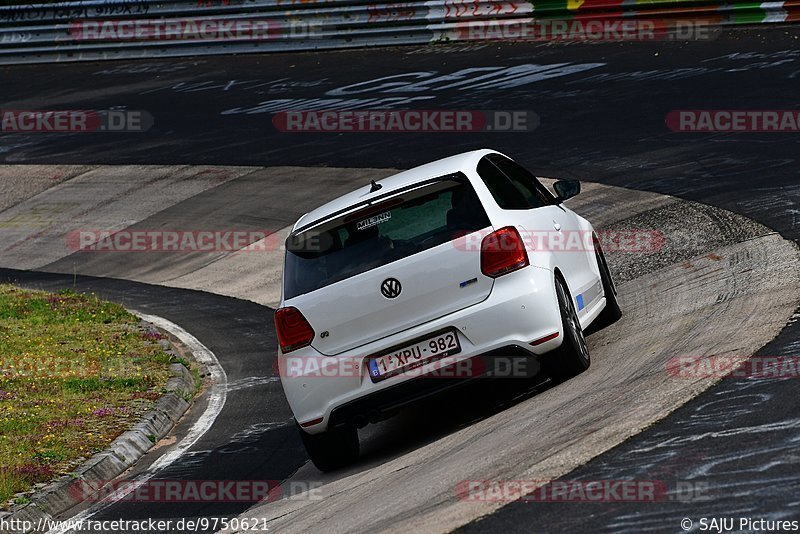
(601, 110)
(716, 273)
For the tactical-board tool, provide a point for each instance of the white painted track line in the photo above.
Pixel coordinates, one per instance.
(216, 401)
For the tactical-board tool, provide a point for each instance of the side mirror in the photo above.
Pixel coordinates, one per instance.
(566, 189)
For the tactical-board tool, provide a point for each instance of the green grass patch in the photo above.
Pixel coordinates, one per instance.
(75, 372)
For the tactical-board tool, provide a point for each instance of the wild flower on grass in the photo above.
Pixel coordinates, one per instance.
(153, 335)
(104, 412)
(68, 423)
(34, 472)
(89, 368)
(54, 301)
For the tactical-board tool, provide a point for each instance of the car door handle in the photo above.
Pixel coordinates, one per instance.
(556, 226)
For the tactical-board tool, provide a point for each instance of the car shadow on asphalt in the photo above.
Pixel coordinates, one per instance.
(427, 422)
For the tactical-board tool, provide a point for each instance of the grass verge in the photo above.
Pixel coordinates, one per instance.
(75, 372)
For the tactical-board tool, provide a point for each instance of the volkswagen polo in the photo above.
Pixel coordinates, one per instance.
(422, 281)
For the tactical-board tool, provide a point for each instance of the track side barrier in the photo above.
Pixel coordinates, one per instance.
(91, 30)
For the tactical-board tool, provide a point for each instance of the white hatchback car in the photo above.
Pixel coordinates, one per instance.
(425, 280)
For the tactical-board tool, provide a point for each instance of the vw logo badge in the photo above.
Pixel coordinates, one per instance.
(391, 288)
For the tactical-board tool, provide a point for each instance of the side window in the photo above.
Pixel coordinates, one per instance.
(512, 187)
(527, 184)
(502, 189)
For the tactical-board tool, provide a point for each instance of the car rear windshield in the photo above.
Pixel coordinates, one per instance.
(381, 233)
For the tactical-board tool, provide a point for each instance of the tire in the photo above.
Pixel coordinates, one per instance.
(572, 357)
(612, 312)
(332, 449)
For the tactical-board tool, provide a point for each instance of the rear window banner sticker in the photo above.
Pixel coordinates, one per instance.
(374, 220)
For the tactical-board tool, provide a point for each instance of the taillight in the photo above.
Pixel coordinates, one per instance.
(294, 332)
(502, 252)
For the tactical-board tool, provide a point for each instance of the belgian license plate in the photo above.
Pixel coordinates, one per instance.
(409, 357)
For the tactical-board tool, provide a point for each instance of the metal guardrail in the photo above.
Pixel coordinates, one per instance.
(91, 30)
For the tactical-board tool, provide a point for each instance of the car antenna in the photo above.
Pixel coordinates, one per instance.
(375, 186)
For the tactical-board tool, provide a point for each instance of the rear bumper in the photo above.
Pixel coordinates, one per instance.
(384, 403)
(336, 390)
